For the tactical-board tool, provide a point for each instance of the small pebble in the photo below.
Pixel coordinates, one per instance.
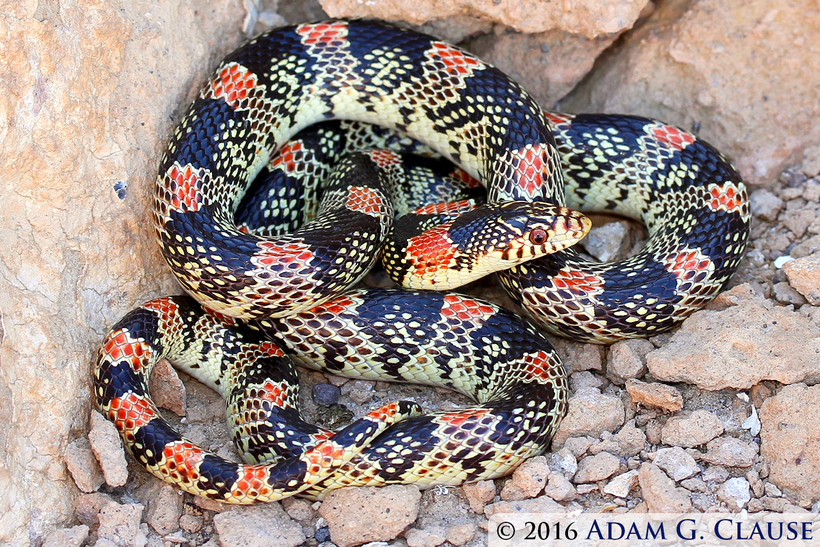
(322, 534)
(326, 394)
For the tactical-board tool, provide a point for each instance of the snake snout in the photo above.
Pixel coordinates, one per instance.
(553, 229)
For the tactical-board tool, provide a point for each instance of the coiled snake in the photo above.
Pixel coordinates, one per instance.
(268, 296)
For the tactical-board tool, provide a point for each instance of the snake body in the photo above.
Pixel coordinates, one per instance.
(256, 290)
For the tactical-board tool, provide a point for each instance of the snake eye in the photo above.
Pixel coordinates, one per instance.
(538, 236)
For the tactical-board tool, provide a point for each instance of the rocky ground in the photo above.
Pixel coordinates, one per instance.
(721, 415)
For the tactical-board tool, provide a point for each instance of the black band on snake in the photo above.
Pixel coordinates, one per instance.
(266, 296)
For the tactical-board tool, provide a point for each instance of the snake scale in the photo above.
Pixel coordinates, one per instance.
(260, 301)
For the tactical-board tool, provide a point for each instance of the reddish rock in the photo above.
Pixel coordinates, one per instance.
(804, 275)
(479, 494)
(590, 413)
(790, 440)
(586, 17)
(730, 452)
(739, 346)
(694, 429)
(655, 395)
(717, 66)
(166, 389)
(597, 468)
(627, 360)
(361, 515)
(107, 447)
(263, 525)
(83, 466)
(660, 493)
(527, 481)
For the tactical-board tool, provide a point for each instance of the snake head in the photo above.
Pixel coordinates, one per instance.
(451, 252)
(522, 231)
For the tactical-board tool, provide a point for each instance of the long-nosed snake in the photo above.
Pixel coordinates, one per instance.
(691, 199)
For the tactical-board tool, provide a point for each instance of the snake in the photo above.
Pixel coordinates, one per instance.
(259, 302)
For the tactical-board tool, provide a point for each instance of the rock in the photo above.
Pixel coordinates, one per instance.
(627, 360)
(166, 389)
(547, 64)
(559, 488)
(359, 391)
(660, 493)
(479, 494)
(457, 28)
(78, 256)
(772, 490)
(163, 504)
(735, 493)
(694, 485)
(688, 430)
(429, 537)
(798, 217)
(359, 515)
(298, 509)
(107, 447)
(563, 461)
(740, 346)
(326, 394)
(579, 356)
(191, 523)
(810, 246)
(621, 485)
(264, 525)
(730, 452)
(583, 379)
(67, 537)
(676, 463)
(578, 446)
(784, 293)
(590, 413)
(322, 533)
(209, 504)
(527, 481)
(83, 466)
(715, 473)
(597, 468)
(459, 534)
(811, 161)
(608, 241)
(88, 506)
(655, 395)
(629, 441)
(120, 524)
(811, 192)
(727, 53)
(757, 486)
(765, 204)
(790, 440)
(804, 276)
(587, 18)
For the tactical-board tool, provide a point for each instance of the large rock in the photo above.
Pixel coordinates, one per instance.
(90, 95)
(790, 440)
(362, 515)
(590, 18)
(590, 413)
(744, 74)
(804, 275)
(739, 346)
(547, 64)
